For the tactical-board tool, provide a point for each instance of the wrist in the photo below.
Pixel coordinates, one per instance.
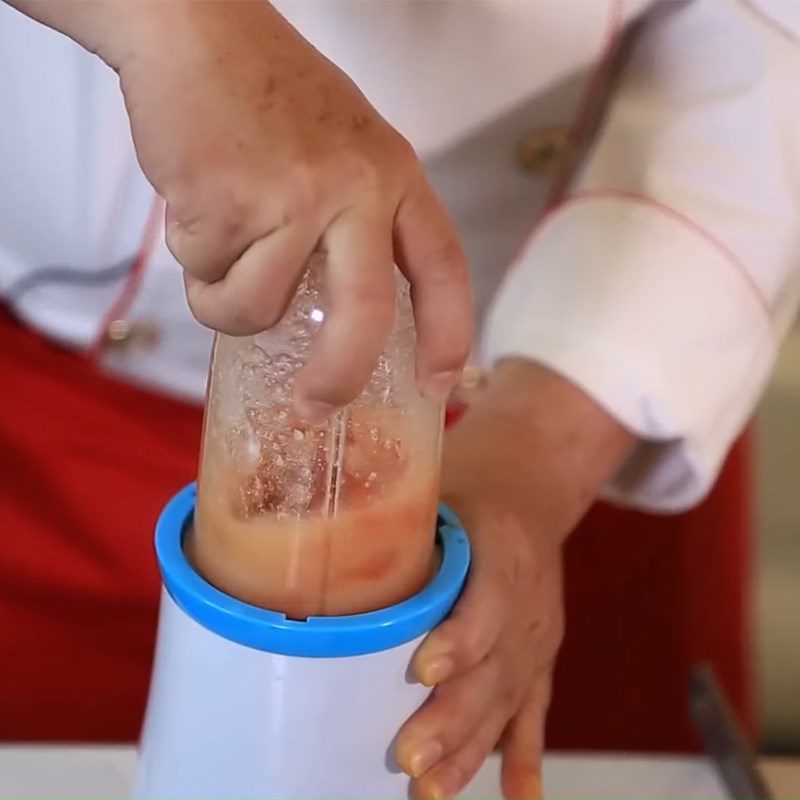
(535, 444)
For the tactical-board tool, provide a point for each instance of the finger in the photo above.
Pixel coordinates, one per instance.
(429, 254)
(207, 239)
(449, 716)
(256, 290)
(523, 747)
(452, 774)
(359, 286)
(469, 633)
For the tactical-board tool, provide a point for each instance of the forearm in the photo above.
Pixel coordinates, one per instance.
(550, 447)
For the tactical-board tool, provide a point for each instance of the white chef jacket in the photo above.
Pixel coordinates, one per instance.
(659, 274)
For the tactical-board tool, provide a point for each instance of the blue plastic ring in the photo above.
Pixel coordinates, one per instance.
(316, 637)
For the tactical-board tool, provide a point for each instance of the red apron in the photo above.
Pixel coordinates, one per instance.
(647, 598)
(86, 464)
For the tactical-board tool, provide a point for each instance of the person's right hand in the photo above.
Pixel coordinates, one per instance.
(265, 152)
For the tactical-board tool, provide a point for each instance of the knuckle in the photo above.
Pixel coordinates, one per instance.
(499, 582)
(181, 199)
(320, 383)
(372, 300)
(218, 317)
(333, 394)
(448, 351)
(444, 639)
(181, 242)
(468, 761)
(232, 214)
(455, 355)
(507, 691)
(201, 312)
(248, 314)
(509, 699)
(447, 262)
(204, 268)
(358, 170)
(302, 193)
(450, 718)
(472, 645)
(405, 156)
(447, 707)
(207, 242)
(199, 207)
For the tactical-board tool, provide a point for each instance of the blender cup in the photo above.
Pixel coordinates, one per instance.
(300, 576)
(330, 519)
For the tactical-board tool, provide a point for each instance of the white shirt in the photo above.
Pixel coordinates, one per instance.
(661, 282)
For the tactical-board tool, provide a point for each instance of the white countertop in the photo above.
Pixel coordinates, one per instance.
(57, 772)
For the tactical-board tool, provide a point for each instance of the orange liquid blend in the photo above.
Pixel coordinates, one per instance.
(271, 534)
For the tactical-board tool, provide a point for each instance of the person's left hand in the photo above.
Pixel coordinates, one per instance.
(520, 469)
(491, 663)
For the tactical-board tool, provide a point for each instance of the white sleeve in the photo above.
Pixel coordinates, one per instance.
(664, 283)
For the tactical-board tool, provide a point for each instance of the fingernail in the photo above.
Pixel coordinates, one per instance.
(438, 670)
(425, 756)
(314, 411)
(439, 386)
(447, 784)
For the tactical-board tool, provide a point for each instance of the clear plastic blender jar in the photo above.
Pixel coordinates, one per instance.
(313, 520)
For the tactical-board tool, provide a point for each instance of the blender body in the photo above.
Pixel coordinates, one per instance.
(246, 703)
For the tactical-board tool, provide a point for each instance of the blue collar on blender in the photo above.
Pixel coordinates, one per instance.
(315, 637)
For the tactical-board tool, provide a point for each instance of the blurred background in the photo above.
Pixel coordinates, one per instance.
(778, 587)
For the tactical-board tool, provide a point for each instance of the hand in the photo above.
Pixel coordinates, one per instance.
(266, 152)
(491, 663)
(520, 469)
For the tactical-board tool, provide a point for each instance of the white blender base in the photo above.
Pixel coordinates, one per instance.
(229, 721)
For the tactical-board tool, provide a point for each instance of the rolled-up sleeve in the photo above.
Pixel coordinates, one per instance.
(663, 284)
